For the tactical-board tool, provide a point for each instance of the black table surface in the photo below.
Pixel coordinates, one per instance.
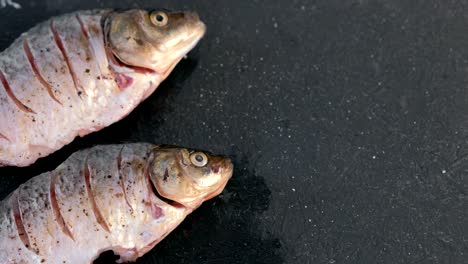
(347, 122)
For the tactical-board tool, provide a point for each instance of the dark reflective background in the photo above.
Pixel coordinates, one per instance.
(347, 121)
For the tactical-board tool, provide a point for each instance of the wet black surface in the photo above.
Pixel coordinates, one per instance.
(348, 122)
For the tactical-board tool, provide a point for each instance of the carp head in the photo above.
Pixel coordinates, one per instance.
(189, 177)
(152, 40)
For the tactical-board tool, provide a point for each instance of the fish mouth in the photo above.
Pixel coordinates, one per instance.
(191, 40)
(184, 46)
(216, 192)
(227, 176)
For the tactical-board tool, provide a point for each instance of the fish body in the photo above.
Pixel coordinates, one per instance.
(124, 198)
(80, 72)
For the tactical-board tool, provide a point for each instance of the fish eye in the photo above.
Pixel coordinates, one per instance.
(159, 18)
(199, 159)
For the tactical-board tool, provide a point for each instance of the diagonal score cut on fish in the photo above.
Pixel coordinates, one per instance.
(80, 72)
(124, 198)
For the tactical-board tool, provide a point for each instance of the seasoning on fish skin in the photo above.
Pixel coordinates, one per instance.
(124, 198)
(80, 72)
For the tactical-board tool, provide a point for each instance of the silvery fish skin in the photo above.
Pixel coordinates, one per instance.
(124, 198)
(80, 72)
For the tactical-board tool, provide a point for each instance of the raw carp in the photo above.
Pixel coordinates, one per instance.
(80, 72)
(124, 198)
